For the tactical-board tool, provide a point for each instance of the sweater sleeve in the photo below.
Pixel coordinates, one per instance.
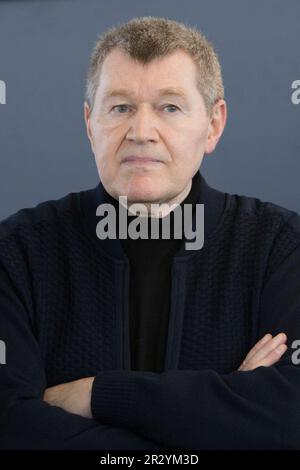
(203, 409)
(26, 421)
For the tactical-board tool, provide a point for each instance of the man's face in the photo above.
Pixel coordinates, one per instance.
(175, 131)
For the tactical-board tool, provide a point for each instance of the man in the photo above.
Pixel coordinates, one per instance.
(140, 343)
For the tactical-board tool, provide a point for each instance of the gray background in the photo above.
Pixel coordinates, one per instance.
(44, 52)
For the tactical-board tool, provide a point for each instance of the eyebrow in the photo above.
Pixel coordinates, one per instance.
(170, 91)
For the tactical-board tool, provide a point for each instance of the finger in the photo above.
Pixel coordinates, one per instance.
(258, 345)
(265, 351)
(264, 348)
(274, 355)
(268, 360)
(269, 346)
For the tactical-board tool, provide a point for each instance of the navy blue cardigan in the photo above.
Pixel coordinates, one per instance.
(64, 316)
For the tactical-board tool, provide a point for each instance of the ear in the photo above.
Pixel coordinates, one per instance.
(87, 119)
(216, 126)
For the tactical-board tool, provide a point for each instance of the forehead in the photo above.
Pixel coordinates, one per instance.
(172, 74)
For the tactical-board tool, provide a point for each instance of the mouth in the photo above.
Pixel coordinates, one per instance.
(141, 161)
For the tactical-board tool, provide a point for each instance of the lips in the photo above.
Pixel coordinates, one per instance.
(141, 159)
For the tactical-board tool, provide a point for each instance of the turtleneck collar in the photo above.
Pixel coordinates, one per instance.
(201, 193)
(191, 197)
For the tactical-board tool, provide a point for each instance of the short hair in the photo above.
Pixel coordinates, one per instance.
(146, 38)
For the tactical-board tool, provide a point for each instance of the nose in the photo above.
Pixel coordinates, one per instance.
(142, 126)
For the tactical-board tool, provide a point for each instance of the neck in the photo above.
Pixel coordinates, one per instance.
(158, 209)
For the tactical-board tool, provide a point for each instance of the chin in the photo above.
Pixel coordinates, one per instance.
(143, 190)
(143, 196)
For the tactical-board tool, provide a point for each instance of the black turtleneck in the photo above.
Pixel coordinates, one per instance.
(149, 292)
(62, 295)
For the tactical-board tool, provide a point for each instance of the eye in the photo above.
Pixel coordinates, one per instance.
(171, 106)
(120, 106)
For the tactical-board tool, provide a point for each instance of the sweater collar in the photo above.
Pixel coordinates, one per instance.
(214, 205)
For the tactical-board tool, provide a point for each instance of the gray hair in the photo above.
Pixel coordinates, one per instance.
(146, 38)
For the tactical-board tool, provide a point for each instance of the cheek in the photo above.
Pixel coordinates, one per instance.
(104, 146)
(197, 142)
(187, 150)
(184, 146)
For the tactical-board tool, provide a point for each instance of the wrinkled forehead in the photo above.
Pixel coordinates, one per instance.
(171, 76)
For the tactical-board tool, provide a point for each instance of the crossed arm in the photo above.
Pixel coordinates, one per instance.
(75, 396)
(256, 406)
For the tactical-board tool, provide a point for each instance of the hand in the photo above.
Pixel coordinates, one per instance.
(265, 352)
(74, 397)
